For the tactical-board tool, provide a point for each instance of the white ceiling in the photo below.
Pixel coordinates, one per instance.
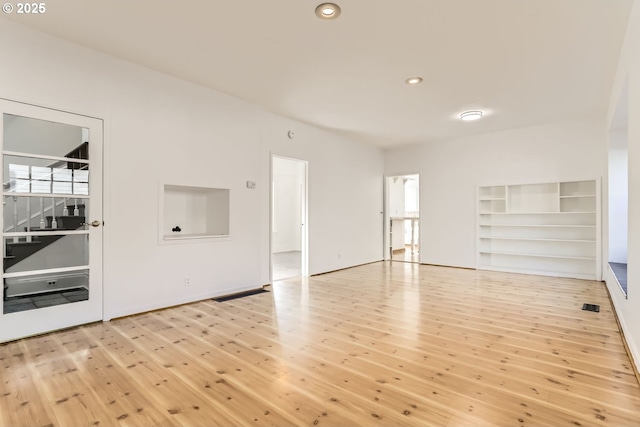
(524, 62)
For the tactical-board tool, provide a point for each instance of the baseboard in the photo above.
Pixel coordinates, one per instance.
(149, 308)
(346, 268)
(630, 347)
(448, 266)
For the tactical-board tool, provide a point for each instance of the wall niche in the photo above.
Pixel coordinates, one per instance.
(193, 212)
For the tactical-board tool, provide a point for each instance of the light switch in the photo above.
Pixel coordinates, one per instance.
(251, 185)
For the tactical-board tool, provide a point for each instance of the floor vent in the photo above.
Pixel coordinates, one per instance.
(591, 307)
(239, 295)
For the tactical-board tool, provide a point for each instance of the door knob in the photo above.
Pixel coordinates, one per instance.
(95, 223)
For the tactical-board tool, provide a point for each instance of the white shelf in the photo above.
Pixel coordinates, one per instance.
(540, 225)
(498, 191)
(194, 236)
(550, 228)
(539, 213)
(539, 255)
(529, 239)
(552, 273)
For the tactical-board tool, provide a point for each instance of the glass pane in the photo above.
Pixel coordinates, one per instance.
(19, 172)
(34, 136)
(44, 251)
(46, 189)
(38, 213)
(43, 176)
(45, 290)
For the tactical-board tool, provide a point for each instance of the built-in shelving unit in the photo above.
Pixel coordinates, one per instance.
(547, 228)
(189, 213)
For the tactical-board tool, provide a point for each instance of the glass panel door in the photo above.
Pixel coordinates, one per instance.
(51, 220)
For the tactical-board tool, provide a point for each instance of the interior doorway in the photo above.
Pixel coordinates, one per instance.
(618, 172)
(289, 248)
(402, 218)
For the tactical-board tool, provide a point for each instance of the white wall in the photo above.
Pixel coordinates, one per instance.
(162, 130)
(451, 170)
(618, 196)
(288, 178)
(345, 193)
(628, 309)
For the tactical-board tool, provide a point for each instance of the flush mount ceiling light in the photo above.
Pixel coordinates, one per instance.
(413, 80)
(468, 116)
(328, 11)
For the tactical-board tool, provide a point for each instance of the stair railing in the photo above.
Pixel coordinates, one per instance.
(80, 152)
(17, 223)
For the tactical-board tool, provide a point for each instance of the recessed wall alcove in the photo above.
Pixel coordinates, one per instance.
(189, 212)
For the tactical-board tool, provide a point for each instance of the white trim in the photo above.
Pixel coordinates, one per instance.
(537, 213)
(534, 239)
(548, 273)
(118, 311)
(387, 239)
(540, 225)
(538, 255)
(196, 236)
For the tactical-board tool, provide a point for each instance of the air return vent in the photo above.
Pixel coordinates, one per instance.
(591, 307)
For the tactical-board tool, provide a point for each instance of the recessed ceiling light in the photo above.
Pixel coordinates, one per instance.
(468, 116)
(328, 11)
(413, 80)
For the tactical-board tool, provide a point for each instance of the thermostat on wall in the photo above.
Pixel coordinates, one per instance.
(251, 185)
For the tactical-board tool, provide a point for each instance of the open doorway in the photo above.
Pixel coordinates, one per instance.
(402, 218)
(288, 218)
(619, 190)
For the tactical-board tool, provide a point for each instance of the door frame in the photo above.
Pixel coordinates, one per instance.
(386, 229)
(32, 322)
(304, 232)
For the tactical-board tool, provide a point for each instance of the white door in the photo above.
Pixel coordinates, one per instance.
(51, 219)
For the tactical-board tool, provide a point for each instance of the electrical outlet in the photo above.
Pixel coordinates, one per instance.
(187, 282)
(51, 282)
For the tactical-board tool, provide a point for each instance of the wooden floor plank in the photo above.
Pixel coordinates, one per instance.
(441, 370)
(233, 382)
(382, 344)
(309, 372)
(515, 366)
(21, 396)
(70, 399)
(474, 335)
(115, 388)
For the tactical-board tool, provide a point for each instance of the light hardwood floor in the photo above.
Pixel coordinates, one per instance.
(382, 344)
